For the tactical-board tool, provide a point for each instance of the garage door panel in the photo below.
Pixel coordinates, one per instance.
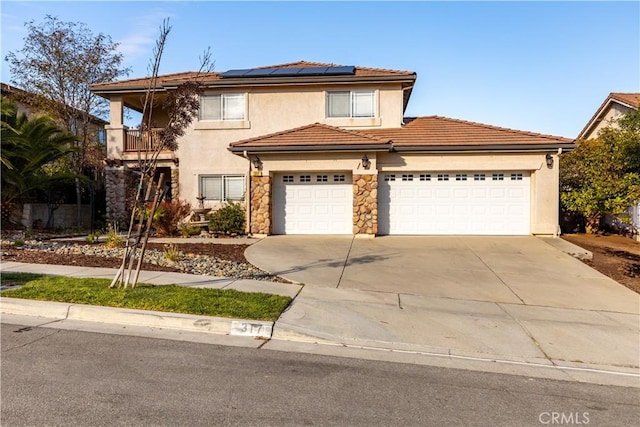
(478, 204)
(315, 206)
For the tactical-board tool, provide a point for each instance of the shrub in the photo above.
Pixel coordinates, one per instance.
(168, 215)
(93, 237)
(188, 230)
(229, 219)
(18, 243)
(114, 240)
(172, 253)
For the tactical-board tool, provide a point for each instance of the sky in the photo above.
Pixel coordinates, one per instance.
(537, 66)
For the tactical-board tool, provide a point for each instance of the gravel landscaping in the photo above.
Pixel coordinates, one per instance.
(221, 260)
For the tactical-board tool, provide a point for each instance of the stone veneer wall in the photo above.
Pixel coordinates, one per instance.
(119, 187)
(260, 205)
(175, 183)
(115, 188)
(365, 204)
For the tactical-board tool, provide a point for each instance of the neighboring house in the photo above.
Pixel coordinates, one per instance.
(21, 97)
(616, 105)
(65, 215)
(325, 149)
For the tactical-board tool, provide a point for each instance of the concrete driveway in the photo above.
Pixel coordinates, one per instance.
(518, 270)
(505, 304)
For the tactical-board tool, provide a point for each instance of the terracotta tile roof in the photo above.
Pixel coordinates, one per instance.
(314, 135)
(176, 78)
(443, 131)
(360, 71)
(420, 132)
(164, 80)
(629, 99)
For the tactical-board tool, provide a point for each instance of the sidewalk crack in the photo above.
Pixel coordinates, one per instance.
(529, 334)
(346, 260)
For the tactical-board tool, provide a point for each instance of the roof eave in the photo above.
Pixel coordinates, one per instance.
(310, 148)
(566, 146)
(231, 82)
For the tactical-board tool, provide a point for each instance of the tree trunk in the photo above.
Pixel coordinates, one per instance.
(78, 203)
(592, 224)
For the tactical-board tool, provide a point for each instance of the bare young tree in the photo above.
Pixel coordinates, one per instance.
(56, 66)
(181, 106)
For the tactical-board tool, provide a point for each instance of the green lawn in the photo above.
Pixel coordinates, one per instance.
(170, 298)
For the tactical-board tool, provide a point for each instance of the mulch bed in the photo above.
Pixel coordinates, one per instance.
(614, 256)
(226, 252)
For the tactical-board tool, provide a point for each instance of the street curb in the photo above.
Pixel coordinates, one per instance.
(127, 316)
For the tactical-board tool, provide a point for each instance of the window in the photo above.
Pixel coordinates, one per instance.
(355, 103)
(497, 177)
(287, 178)
(305, 178)
(389, 177)
(425, 177)
(516, 177)
(478, 177)
(407, 177)
(461, 177)
(338, 178)
(225, 106)
(443, 177)
(222, 187)
(321, 178)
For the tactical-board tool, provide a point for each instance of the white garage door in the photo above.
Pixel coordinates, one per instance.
(480, 203)
(313, 203)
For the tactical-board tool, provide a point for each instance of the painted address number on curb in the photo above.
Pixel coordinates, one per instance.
(250, 329)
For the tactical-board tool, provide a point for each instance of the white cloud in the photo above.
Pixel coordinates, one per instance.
(140, 41)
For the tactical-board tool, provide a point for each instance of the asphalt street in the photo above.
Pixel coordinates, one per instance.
(62, 377)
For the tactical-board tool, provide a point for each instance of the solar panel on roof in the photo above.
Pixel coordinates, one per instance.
(347, 69)
(290, 72)
(313, 71)
(286, 72)
(234, 73)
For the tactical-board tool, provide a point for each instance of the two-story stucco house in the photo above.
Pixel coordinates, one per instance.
(325, 149)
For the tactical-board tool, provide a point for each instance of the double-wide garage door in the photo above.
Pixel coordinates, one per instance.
(312, 203)
(465, 203)
(427, 203)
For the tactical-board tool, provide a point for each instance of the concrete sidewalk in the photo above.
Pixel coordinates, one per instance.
(158, 278)
(56, 311)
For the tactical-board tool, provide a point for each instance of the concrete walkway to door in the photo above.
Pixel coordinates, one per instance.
(515, 299)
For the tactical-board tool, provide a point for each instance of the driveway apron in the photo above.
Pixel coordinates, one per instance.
(510, 298)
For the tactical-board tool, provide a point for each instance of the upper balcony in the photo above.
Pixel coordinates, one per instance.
(135, 140)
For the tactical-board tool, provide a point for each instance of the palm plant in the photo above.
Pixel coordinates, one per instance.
(32, 154)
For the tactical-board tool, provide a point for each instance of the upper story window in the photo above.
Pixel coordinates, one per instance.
(354, 103)
(224, 106)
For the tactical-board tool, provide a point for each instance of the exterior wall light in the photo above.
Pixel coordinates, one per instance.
(257, 163)
(366, 163)
(549, 158)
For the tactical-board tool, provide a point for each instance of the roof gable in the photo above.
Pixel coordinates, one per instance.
(627, 99)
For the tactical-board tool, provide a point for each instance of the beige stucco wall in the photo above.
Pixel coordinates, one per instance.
(544, 180)
(203, 149)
